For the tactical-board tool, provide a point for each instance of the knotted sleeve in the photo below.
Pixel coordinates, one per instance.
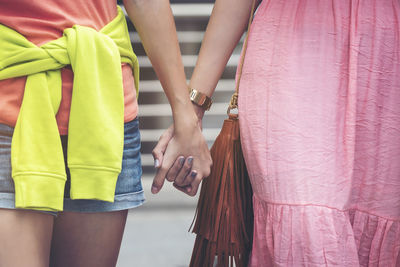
(36, 155)
(96, 124)
(96, 127)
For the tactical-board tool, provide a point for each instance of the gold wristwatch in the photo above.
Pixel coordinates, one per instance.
(200, 99)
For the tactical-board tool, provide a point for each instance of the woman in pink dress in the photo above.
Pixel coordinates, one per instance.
(89, 230)
(319, 109)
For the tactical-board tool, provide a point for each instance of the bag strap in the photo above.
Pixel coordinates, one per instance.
(234, 99)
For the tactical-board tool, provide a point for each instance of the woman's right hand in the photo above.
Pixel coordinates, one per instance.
(182, 155)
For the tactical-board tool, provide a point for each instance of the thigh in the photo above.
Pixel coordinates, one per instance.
(87, 239)
(26, 233)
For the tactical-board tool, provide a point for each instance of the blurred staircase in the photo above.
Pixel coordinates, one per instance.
(191, 18)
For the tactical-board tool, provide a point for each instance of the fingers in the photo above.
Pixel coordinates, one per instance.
(158, 180)
(162, 171)
(180, 179)
(195, 177)
(188, 179)
(174, 171)
(192, 188)
(195, 185)
(159, 149)
(169, 155)
(159, 163)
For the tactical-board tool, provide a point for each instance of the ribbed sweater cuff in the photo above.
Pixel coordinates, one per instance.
(39, 191)
(93, 183)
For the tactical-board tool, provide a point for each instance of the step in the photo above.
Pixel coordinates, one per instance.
(149, 73)
(192, 10)
(188, 61)
(154, 134)
(188, 9)
(151, 86)
(160, 97)
(165, 109)
(163, 122)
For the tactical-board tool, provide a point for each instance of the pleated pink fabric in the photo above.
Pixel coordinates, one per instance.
(319, 104)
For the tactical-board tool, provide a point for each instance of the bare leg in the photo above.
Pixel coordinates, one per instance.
(87, 239)
(25, 238)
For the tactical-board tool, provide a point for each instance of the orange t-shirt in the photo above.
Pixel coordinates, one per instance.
(41, 21)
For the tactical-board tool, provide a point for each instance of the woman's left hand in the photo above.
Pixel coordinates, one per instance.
(185, 170)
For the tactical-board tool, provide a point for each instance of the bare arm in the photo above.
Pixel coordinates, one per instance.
(154, 22)
(227, 23)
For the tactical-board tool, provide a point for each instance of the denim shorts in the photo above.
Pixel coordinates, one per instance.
(129, 190)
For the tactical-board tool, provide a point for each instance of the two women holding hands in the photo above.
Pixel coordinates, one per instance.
(319, 105)
(226, 26)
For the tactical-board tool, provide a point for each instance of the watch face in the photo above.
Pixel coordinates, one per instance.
(192, 94)
(200, 99)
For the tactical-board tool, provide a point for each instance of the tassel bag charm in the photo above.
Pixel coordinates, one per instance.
(224, 215)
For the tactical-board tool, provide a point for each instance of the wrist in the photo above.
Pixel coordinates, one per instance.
(199, 111)
(185, 112)
(184, 116)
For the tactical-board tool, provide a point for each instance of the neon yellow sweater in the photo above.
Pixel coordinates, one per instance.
(96, 127)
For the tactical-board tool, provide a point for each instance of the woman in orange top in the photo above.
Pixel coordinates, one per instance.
(89, 232)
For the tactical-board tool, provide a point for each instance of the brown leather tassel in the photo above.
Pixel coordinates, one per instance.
(224, 214)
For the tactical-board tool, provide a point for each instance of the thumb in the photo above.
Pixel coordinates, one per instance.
(158, 183)
(159, 149)
(168, 160)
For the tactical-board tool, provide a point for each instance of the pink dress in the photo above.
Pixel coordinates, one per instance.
(320, 124)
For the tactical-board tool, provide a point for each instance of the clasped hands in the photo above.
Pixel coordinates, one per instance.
(182, 157)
